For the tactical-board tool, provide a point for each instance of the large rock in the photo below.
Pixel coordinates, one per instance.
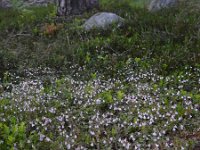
(156, 5)
(5, 4)
(103, 21)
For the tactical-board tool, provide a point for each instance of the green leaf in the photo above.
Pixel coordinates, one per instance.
(137, 60)
(107, 96)
(11, 140)
(87, 58)
(113, 131)
(155, 87)
(94, 75)
(180, 109)
(120, 95)
(14, 129)
(87, 139)
(6, 130)
(135, 120)
(22, 128)
(13, 120)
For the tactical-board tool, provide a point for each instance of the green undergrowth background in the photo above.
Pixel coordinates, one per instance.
(168, 39)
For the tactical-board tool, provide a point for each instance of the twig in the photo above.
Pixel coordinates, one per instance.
(21, 34)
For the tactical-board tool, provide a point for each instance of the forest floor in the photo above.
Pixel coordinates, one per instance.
(134, 87)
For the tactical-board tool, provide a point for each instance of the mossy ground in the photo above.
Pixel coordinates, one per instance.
(126, 88)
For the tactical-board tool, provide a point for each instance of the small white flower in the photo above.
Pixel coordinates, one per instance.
(92, 133)
(68, 146)
(154, 134)
(180, 118)
(157, 145)
(98, 101)
(104, 142)
(132, 137)
(42, 137)
(128, 146)
(28, 141)
(181, 127)
(47, 139)
(174, 128)
(52, 110)
(182, 148)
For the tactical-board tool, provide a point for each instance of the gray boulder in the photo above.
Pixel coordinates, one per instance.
(5, 4)
(103, 21)
(156, 5)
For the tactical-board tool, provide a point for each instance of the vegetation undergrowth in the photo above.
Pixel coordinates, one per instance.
(131, 87)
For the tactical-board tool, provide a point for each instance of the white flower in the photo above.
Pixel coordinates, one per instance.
(60, 118)
(154, 134)
(42, 137)
(28, 141)
(46, 121)
(92, 133)
(157, 145)
(180, 118)
(52, 110)
(132, 137)
(47, 139)
(68, 146)
(174, 128)
(181, 127)
(128, 146)
(98, 101)
(182, 148)
(104, 142)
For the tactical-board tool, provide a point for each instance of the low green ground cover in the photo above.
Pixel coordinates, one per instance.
(134, 87)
